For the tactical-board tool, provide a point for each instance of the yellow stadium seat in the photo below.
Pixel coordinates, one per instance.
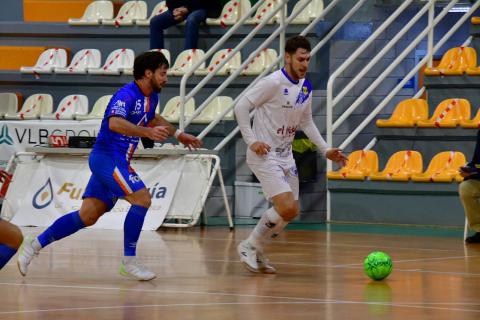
(448, 114)
(400, 166)
(443, 168)
(406, 114)
(471, 123)
(454, 62)
(475, 20)
(360, 165)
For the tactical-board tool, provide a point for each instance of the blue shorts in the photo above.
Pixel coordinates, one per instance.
(112, 178)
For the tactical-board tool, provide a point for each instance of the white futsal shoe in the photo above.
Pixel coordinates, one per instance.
(25, 255)
(264, 264)
(248, 256)
(131, 268)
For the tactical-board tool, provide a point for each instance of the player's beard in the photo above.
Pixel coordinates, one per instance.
(156, 87)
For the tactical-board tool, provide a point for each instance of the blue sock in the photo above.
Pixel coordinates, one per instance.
(61, 228)
(132, 228)
(5, 254)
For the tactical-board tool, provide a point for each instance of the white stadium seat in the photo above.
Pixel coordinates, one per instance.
(159, 9)
(95, 12)
(48, 61)
(171, 112)
(129, 12)
(263, 60)
(33, 107)
(84, 59)
(185, 60)
(117, 62)
(68, 107)
(217, 58)
(98, 109)
(8, 103)
(214, 109)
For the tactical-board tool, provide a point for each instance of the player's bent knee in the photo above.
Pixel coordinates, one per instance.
(18, 237)
(288, 211)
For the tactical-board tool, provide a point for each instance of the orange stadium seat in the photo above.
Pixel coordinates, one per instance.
(475, 20)
(448, 114)
(443, 168)
(406, 114)
(471, 123)
(454, 62)
(53, 10)
(360, 165)
(14, 57)
(400, 166)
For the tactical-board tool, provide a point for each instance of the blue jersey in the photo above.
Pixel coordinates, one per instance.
(131, 104)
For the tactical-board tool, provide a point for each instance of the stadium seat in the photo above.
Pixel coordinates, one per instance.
(360, 165)
(448, 114)
(400, 167)
(94, 14)
(83, 59)
(454, 62)
(258, 64)
(443, 168)
(9, 103)
(98, 109)
(185, 60)
(406, 114)
(159, 9)
(33, 107)
(309, 13)
(48, 61)
(217, 58)
(213, 110)
(128, 14)
(264, 10)
(118, 61)
(68, 108)
(475, 20)
(232, 12)
(471, 123)
(166, 53)
(171, 112)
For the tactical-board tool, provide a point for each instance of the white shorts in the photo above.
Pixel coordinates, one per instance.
(276, 177)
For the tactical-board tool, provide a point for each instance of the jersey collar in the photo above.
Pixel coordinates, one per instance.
(288, 77)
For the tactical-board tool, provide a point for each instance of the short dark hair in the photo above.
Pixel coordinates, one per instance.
(150, 60)
(296, 42)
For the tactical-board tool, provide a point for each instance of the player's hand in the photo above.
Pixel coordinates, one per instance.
(179, 13)
(189, 141)
(337, 156)
(158, 133)
(260, 148)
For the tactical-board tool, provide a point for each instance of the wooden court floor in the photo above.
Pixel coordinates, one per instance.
(320, 276)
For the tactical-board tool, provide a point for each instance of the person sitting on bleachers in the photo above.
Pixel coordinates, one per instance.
(193, 12)
(469, 191)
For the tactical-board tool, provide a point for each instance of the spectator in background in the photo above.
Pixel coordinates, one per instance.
(469, 191)
(193, 12)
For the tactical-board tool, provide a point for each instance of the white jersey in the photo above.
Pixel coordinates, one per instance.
(281, 105)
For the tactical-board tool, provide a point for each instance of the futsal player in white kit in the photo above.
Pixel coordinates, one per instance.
(283, 104)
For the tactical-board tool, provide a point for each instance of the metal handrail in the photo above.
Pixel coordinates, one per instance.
(245, 63)
(230, 136)
(391, 67)
(387, 99)
(211, 51)
(348, 62)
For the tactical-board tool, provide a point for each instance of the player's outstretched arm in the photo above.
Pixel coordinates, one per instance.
(120, 125)
(184, 138)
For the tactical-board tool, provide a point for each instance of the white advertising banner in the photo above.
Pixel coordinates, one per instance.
(16, 136)
(42, 191)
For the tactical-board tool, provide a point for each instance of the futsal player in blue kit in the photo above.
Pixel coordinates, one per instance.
(130, 115)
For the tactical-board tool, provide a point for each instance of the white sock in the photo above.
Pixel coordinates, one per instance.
(36, 245)
(265, 228)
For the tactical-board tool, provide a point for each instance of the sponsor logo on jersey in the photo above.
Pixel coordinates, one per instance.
(285, 92)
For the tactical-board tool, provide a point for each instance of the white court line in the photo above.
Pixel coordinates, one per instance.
(209, 304)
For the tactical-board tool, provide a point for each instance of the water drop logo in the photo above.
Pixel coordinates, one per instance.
(44, 196)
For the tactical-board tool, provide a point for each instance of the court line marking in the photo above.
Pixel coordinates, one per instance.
(209, 304)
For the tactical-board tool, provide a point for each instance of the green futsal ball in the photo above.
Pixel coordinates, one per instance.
(378, 265)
